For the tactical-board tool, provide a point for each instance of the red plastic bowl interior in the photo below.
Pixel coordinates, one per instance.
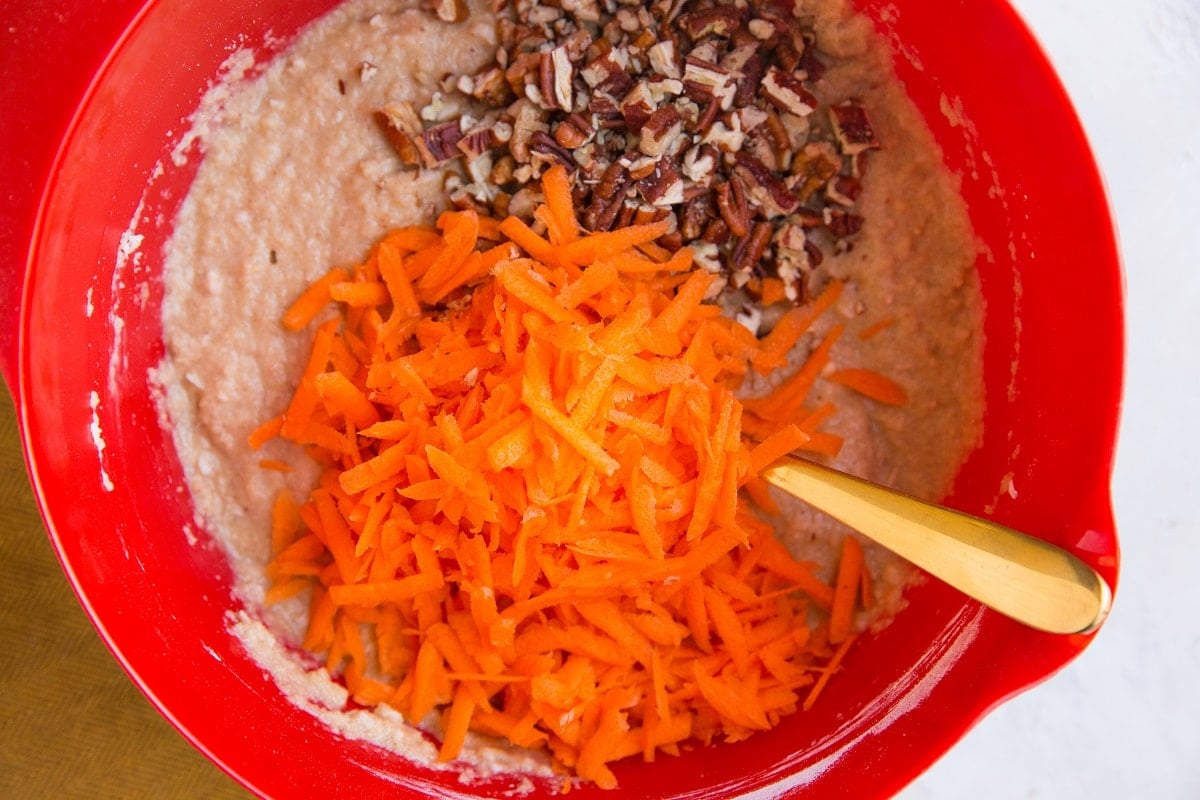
(158, 589)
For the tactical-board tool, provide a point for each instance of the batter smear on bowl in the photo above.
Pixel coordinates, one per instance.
(502, 349)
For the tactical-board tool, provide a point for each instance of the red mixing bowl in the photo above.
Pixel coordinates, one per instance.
(157, 588)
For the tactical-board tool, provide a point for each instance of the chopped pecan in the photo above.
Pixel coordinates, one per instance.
(813, 166)
(788, 52)
(450, 10)
(440, 143)
(489, 86)
(731, 202)
(717, 232)
(764, 186)
(606, 110)
(665, 12)
(573, 132)
(663, 90)
(626, 214)
(663, 187)
(815, 256)
(842, 223)
(704, 82)
(606, 74)
(502, 170)
(644, 41)
(746, 64)
(660, 131)
(556, 74)
(852, 128)
(402, 129)
(479, 140)
(582, 10)
(627, 20)
(527, 120)
(750, 249)
(607, 198)
(728, 138)
(796, 129)
(400, 139)
(787, 93)
(576, 45)
(637, 106)
(709, 50)
(700, 163)
(543, 15)
(671, 240)
(706, 117)
(843, 190)
(761, 29)
(662, 59)
(761, 145)
(697, 212)
(543, 145)
(640, 167)
(794, 259)
(523, 70)
(790, 237)
(721, 21)
(749, 316)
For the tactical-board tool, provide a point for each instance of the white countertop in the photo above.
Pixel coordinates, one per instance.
(1123, 720)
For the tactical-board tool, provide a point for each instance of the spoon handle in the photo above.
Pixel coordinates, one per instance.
(1018, 575)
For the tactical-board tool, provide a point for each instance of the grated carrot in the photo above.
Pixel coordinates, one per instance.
(535, 501)
(871, 384)
(315, 298)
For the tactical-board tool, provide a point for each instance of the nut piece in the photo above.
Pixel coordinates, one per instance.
(606, 74)
(440, 143)
(570, 135)
(662, 59)
(401, 126)
(527, 120)
(764, 187)
(661, 130)
(812, 168)
(786, 92)
(720, 21)
(450, 10)
(844, 190)
(704, 82)
(637, 106)
(731, 203)
(556, 74)
(607, 197)
(842, 223)
(663, 187)
(852, 128)
(480, 139)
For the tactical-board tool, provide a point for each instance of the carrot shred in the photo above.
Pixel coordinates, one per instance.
(315, 298)
(871, 384)
(846, 590)
(265, 432)
(556, 185)
(535, 512)
(874, 329)
(773, 291)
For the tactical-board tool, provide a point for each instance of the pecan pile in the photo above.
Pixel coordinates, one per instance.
(702, 112)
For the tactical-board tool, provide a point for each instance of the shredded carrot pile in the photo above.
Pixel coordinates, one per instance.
(536, 517)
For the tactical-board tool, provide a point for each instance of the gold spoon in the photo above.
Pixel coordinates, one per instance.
(1024, 578)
